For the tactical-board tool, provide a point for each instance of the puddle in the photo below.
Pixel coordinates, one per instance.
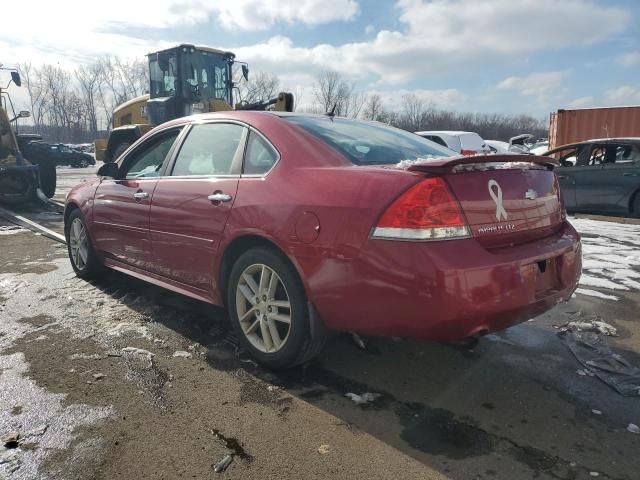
(437, 432)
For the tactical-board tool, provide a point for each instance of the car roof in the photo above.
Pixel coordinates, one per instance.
(597, 140)
(444, 132)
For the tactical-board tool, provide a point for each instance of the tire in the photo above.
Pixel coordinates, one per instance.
(47, 178)
(635, 208)
(90, 266)
(120, 150)
(84, 163)
(297, 345)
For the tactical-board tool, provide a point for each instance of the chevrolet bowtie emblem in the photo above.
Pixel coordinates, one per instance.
(531, 194)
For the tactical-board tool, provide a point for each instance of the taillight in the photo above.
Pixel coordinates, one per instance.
(558, 191)
(427, 211)
(468, 152)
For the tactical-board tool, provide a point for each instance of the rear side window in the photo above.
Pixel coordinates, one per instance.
(209, 149)
(437, 139)
(369, 143)
(260, 156)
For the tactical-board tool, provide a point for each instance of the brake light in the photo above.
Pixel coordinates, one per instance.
(558, 192)
(468, 152)
(427, 211)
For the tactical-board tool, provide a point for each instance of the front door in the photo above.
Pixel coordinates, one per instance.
(568, 159)
(121, 206)
(599, 181)
(191, 204)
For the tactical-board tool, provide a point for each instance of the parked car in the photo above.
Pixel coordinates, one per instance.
(514, 145)
(466, 143)
(60, 154)
(600, 176)
(303, 224)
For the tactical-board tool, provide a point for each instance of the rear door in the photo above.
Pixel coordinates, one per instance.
(568, 160)
(190, 205)
(121, 206)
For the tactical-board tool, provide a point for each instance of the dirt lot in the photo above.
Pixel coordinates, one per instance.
(119, 379)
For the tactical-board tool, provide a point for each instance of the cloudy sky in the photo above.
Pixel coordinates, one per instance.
(525, 56)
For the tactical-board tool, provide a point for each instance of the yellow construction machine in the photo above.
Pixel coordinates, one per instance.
(184, 80)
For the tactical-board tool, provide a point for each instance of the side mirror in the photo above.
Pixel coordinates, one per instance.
(109, 169)
(24, 114)
(245, 72)
(15, 76)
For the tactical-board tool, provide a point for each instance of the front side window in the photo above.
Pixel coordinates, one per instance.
(369, 143)
(163, 73)
(148, 161)
(260, 156)
(209, 149)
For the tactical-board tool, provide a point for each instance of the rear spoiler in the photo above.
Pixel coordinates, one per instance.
(446, 164)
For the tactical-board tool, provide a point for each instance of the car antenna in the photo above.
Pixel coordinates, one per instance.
(332, 112)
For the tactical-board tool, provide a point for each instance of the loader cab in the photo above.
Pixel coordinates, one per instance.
(187, 79)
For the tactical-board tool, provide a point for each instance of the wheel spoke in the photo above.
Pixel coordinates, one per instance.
(251, 283)
(247, 294)
(280, 304)
(275, 335)
(82, 250)
(273, 285)
(266, 337)
(248, 313)
(281, 318)
(265, 275)
(76, 229)
(253, 327)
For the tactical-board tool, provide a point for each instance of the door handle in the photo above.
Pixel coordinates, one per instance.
(140, 195)
(219, 197)
(627, 174)
(562, 177)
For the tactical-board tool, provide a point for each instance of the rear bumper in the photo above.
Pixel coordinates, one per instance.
(444, 290)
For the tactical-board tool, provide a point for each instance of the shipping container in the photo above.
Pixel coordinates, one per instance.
(570, 126)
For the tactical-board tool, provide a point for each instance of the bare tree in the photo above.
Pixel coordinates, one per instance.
(89, 79)
(333, 93)
(261, 87)
(373, 108)
(31, 79)
(413, 112)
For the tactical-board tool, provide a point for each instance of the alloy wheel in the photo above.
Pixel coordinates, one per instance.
(78, 244)
(263, 308)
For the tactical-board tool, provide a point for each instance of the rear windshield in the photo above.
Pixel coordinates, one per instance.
(471, 141)
(370, 143)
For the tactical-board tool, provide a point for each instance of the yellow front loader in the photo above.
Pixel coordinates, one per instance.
(183, 80)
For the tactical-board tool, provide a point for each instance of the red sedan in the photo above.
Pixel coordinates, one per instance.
(304, 224)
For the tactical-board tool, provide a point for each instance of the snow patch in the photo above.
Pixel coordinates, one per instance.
(610, 258)
(595, 293)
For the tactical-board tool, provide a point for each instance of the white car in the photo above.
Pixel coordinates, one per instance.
(466, 143)
(514, 145)
(498, 146)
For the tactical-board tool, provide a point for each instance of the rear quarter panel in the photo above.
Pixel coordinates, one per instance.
(320, 217)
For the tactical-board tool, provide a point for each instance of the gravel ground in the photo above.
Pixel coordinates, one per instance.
(119, 379)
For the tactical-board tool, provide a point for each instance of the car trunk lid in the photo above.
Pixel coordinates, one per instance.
(506, 199)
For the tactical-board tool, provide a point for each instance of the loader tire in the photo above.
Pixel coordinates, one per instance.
(47, 178)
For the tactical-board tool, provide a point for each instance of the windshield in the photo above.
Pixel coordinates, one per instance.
(370, 143)
(209, 72)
